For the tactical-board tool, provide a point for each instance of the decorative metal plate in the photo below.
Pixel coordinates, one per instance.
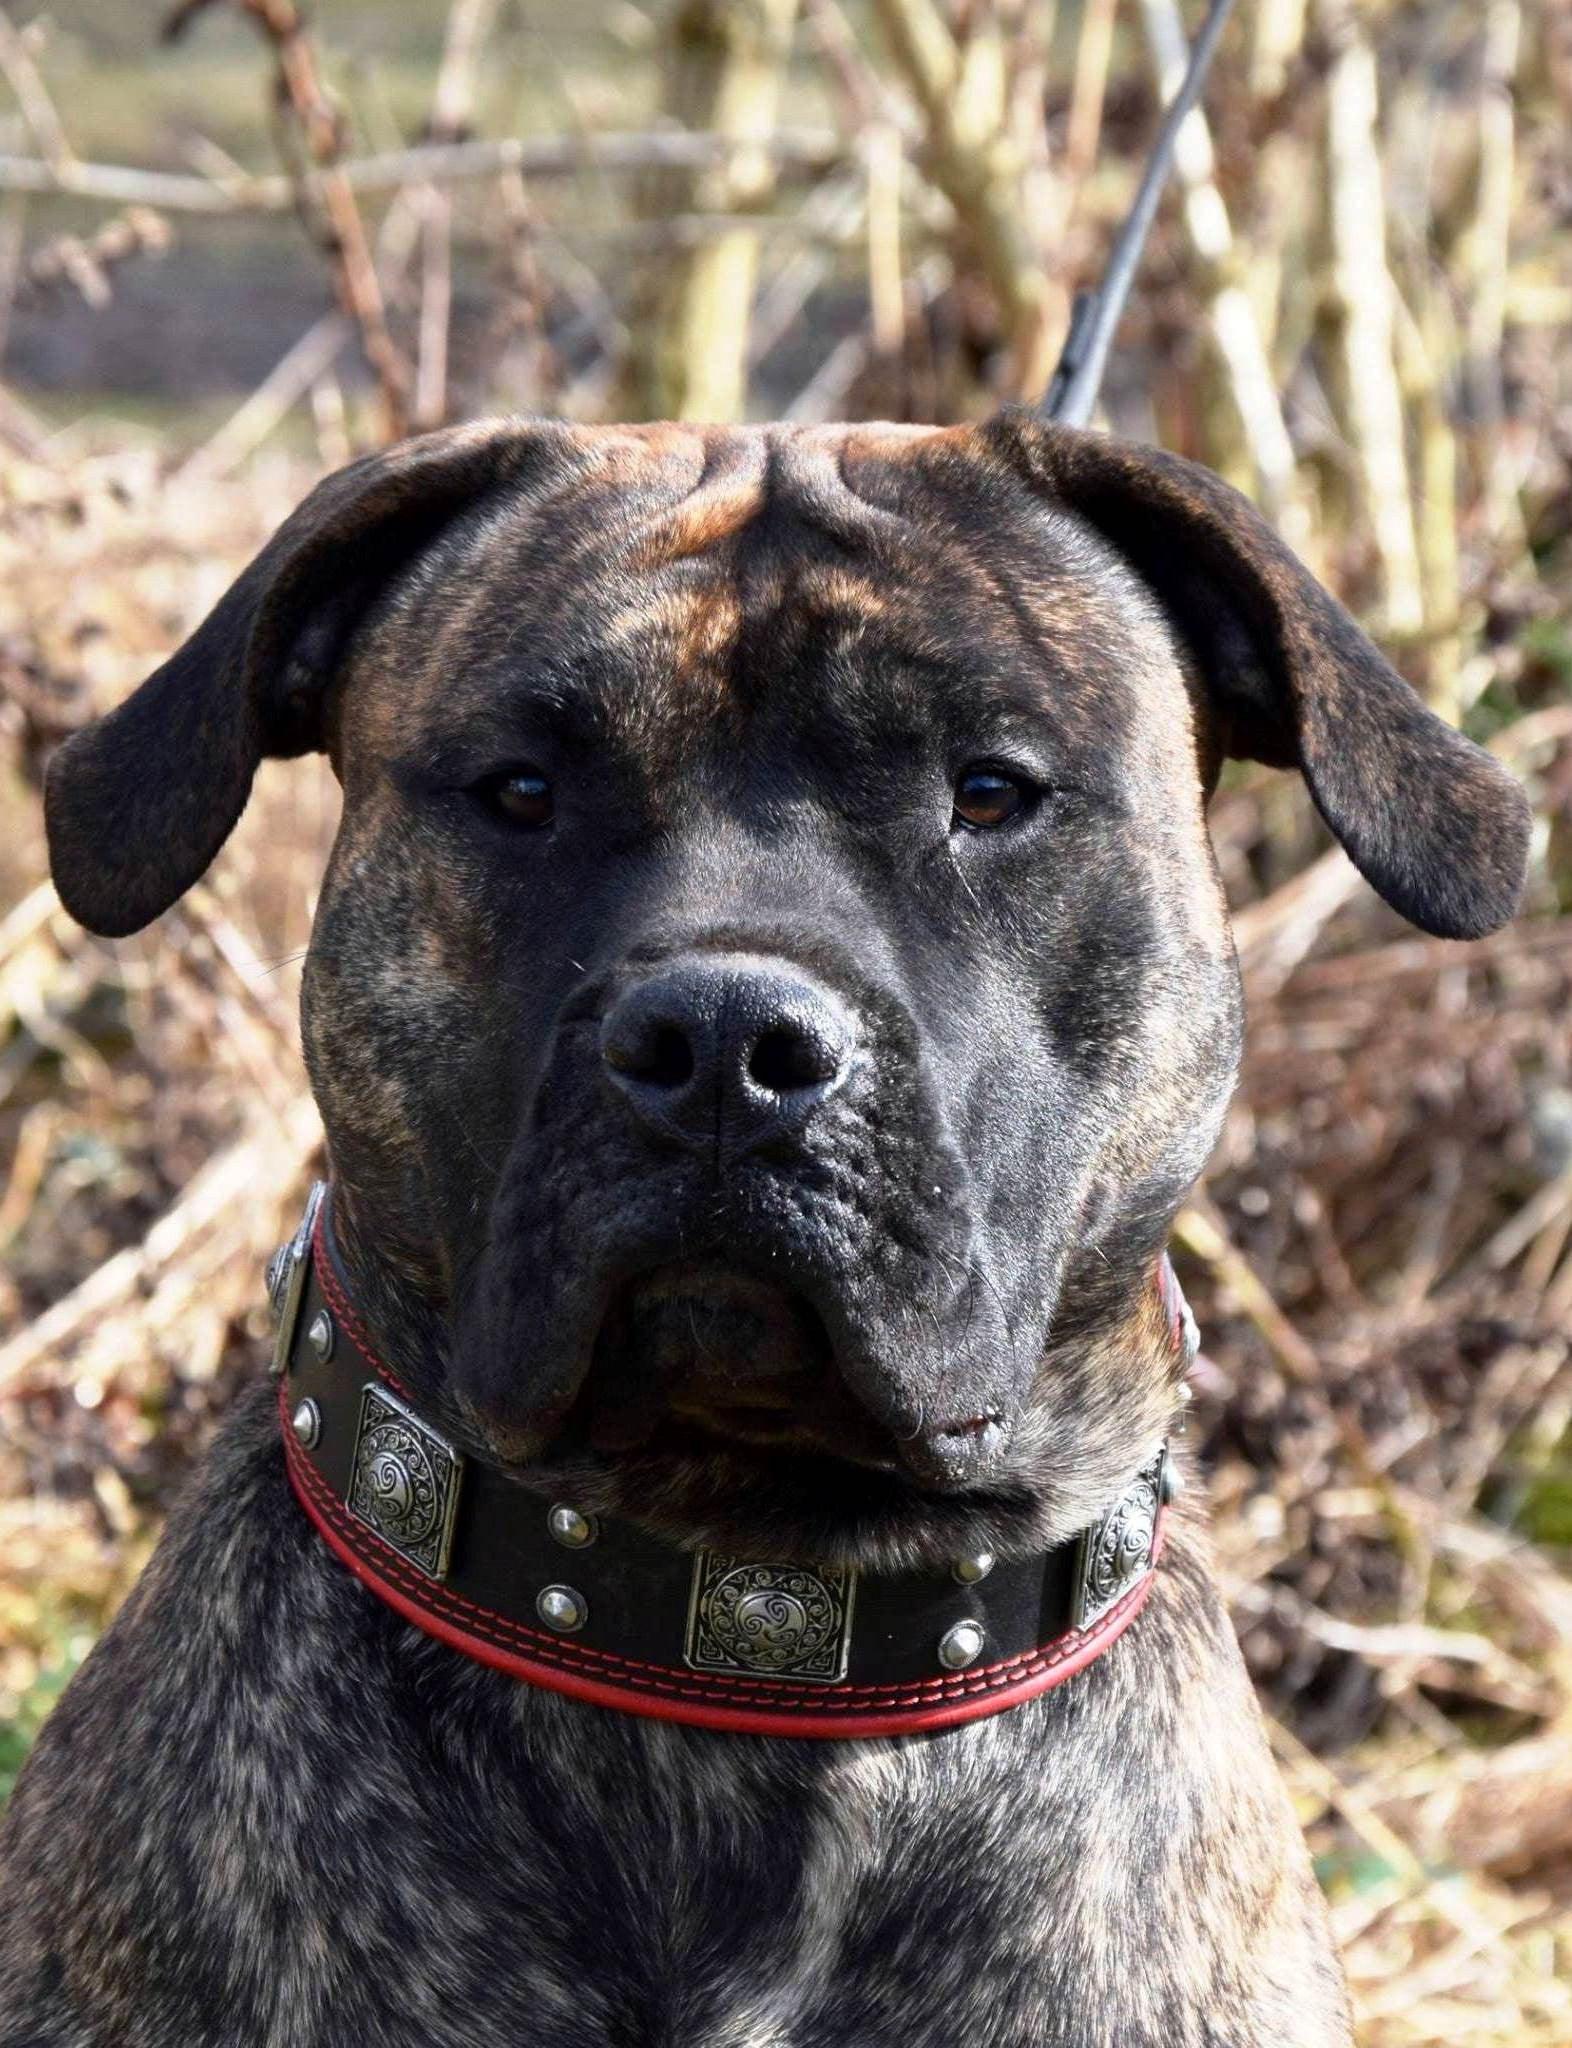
(775, 1620)
(1116, 1552)
(404, 1482)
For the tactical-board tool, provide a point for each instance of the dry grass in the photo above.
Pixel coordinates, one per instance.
(1382, 1259)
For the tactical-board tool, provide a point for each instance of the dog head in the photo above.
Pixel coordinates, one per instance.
(772, 988)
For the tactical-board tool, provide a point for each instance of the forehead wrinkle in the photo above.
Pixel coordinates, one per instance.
(677, 568)
(1064, 598)
(809, 478)
(728, 494)
(750, 578)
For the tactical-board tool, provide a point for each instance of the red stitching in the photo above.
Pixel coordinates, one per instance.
(498, 1629)
(582, 1657)
(810, 1713)
(339, 1302)
(989, 1678)
(1004, 1673)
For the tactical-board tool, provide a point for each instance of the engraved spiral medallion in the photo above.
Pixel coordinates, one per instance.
(1117, 1552)
(779, 1620)
(404, 1483)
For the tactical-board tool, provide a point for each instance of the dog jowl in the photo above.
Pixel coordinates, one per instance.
(770, 994)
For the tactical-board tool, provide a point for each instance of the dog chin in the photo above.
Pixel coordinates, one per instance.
(785, 1500)
(690, 1357)
(714, 1412)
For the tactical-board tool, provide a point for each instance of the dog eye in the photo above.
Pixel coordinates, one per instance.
(987, 797)
(521, 796)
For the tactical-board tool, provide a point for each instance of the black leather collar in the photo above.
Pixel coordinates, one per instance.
(602, 1611)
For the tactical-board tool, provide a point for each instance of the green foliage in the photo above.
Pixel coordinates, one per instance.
(68, 1647)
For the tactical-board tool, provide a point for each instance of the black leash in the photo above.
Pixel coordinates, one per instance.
(1095, 314)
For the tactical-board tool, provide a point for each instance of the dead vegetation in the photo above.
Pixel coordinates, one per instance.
(1353, 306)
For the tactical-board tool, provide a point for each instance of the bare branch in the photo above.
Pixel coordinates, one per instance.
(32, 95)
(85, 262)
(1360, 298)
(805, 151)
(317, 126)
(292, 376)
(1235, 330)
(469, 24)
(974, 159)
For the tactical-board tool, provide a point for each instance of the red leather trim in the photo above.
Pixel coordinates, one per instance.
(754, 1706)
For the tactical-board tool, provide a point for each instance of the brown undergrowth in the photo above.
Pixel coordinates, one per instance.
(1352, 306)
(1382, 1266)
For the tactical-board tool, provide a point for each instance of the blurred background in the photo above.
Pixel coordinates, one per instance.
(237, 247)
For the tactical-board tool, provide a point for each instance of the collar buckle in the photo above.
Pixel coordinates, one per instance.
(286, 1280)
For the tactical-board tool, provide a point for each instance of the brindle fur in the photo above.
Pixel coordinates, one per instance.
(267, 1811)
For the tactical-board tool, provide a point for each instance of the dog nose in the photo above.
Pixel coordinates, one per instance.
(727, 1048)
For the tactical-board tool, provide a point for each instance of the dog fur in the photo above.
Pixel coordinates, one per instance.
(751, 662)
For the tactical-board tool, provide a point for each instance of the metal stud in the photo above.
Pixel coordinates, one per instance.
(320, 1334)
(961, 1645)
(1171, 1484)
(306, 1422)
(1181, 1422)
(966, 1571)
(559, 1607)
(571, 1529)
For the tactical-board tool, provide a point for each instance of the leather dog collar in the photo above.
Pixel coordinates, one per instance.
(599, 1610)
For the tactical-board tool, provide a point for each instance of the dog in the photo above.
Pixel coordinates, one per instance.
(770, 994)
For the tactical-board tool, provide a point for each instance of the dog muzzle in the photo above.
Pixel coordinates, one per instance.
(603, 1612)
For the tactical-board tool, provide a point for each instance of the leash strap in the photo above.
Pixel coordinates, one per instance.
(603, 1612)
(1095, 315)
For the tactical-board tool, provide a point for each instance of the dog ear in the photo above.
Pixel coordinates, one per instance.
(137, 805)
(1433, 823)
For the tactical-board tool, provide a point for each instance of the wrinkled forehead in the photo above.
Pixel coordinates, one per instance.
(675, 585)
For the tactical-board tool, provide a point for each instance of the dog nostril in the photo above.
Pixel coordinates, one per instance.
(670, 1061)
(971, 1425)
(661, 1056)
(726, 1048)
(785, 1060)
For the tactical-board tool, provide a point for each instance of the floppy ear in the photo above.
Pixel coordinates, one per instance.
(1432, 822)
(138, 804)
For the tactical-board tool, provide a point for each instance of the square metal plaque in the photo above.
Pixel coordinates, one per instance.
(404, 1481)
(774, 1620)
(1117, 1552)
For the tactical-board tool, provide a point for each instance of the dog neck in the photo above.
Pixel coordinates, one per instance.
(599, 1609)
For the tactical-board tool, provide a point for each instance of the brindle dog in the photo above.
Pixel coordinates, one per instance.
(911, 733)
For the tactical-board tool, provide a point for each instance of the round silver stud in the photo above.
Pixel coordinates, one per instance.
(559, 1607)
(320, 1335)
(1181, 1422)
(961, 1645)
(966, 1571)
(571, 1529)
(306, 1422)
